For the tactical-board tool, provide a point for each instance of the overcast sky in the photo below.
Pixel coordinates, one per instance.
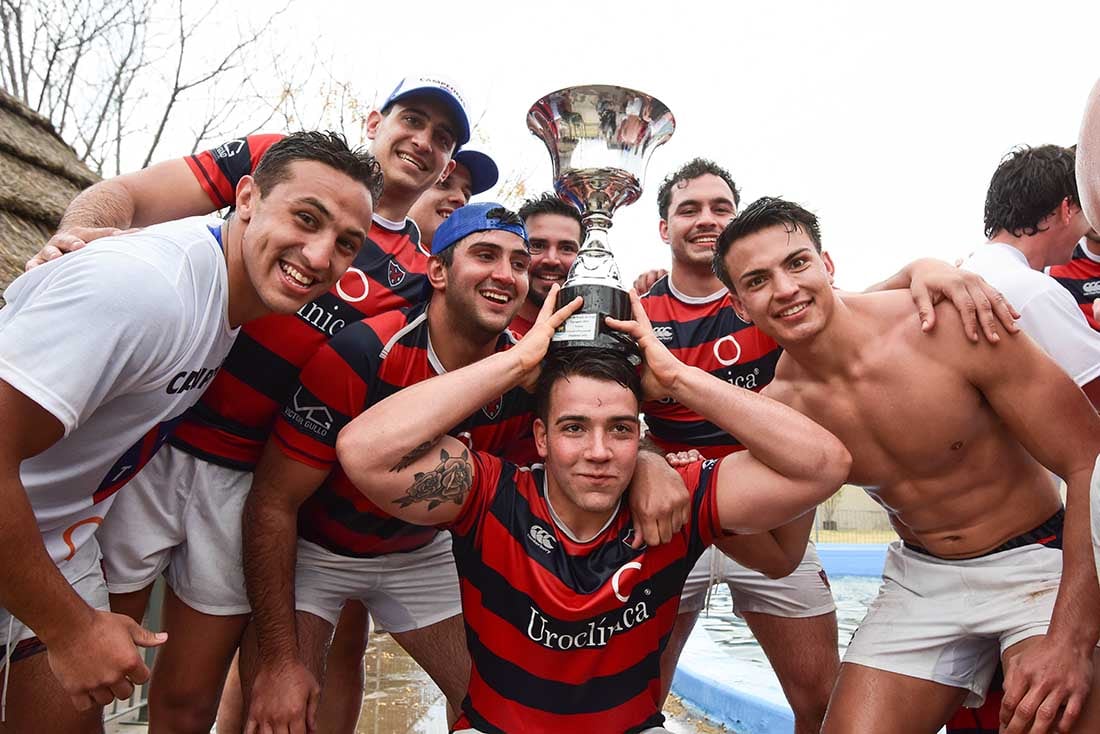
(886, 120)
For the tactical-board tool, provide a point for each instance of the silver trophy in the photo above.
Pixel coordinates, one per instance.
(600, 139)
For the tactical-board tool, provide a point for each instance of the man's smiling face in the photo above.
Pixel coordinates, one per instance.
(699, 209)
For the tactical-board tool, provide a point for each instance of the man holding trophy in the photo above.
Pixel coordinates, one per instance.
(565, 619)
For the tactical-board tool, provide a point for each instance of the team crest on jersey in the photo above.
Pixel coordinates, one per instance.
(492, 410)
(542, 538)
(396, 274)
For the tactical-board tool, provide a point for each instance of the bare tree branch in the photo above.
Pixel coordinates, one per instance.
(117, 78)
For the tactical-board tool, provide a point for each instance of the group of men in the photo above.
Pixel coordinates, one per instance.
(360, 411)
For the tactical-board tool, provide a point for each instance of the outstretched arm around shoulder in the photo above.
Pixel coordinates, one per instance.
(165, 191)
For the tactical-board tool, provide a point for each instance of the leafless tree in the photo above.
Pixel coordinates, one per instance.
(119, 77)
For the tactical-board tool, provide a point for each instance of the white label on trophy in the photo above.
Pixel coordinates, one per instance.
(578, 327)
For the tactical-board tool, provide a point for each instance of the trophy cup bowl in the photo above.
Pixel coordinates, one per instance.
(600, 138)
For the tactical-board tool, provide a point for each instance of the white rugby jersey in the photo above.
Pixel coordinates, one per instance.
(1048, 313)
(116, 341)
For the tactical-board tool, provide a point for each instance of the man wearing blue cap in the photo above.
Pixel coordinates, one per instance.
(348, 549)
(195, 487)
(474, 173)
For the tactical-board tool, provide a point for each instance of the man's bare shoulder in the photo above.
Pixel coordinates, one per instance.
(883, 307)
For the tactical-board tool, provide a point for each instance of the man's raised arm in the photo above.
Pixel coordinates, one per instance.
(165, 191)
(397, 452)
(980, 305)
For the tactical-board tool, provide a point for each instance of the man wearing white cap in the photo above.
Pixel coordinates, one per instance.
(194, 489)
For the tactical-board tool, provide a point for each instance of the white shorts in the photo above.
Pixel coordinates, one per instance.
(403, 591)
(181, 514)
(949, 621)
(83, 573)
(804, 593)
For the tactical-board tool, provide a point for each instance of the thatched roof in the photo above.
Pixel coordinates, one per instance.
(39, 176)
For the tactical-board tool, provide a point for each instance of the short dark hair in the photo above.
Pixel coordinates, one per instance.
(599, 364)
(328, 148)
(691, 170)
(500, 214)
(765, 212)
(550, 203)
(1027, 186)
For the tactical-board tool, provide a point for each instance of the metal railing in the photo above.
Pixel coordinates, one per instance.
(135, 709)
(842, 525)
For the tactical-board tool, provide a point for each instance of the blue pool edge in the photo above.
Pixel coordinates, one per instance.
(743, 711)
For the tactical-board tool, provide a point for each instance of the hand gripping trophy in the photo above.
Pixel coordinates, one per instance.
(600, 139)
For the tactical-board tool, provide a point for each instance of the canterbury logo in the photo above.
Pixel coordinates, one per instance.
(664, 333)
(1091, 288)
(541, 537)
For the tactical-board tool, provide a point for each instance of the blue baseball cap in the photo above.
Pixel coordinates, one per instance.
(484, 173)
(442, 90)
(469, 219)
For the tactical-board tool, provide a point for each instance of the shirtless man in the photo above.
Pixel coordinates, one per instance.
(978, 572)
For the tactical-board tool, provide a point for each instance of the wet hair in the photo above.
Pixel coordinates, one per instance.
(598, 364)
(765, 212)
(1027, 186)
(549, 203)
(328, 148)
(501, 215)
(691, 170)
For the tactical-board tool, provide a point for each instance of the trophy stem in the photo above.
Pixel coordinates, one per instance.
(595, 221)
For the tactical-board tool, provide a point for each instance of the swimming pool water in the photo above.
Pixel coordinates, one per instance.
(852, 595)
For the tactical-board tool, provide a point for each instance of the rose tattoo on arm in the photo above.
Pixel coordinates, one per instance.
(449, 481)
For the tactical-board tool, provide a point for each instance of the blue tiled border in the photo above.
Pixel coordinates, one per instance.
(743, 711)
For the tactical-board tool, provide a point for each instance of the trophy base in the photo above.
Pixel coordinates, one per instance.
(586, 328)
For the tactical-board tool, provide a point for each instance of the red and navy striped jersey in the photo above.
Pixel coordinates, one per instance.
(1081, 277)
(231, 422)
(706, 333)
(520, 326)
(363, 364)
(563, 635)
